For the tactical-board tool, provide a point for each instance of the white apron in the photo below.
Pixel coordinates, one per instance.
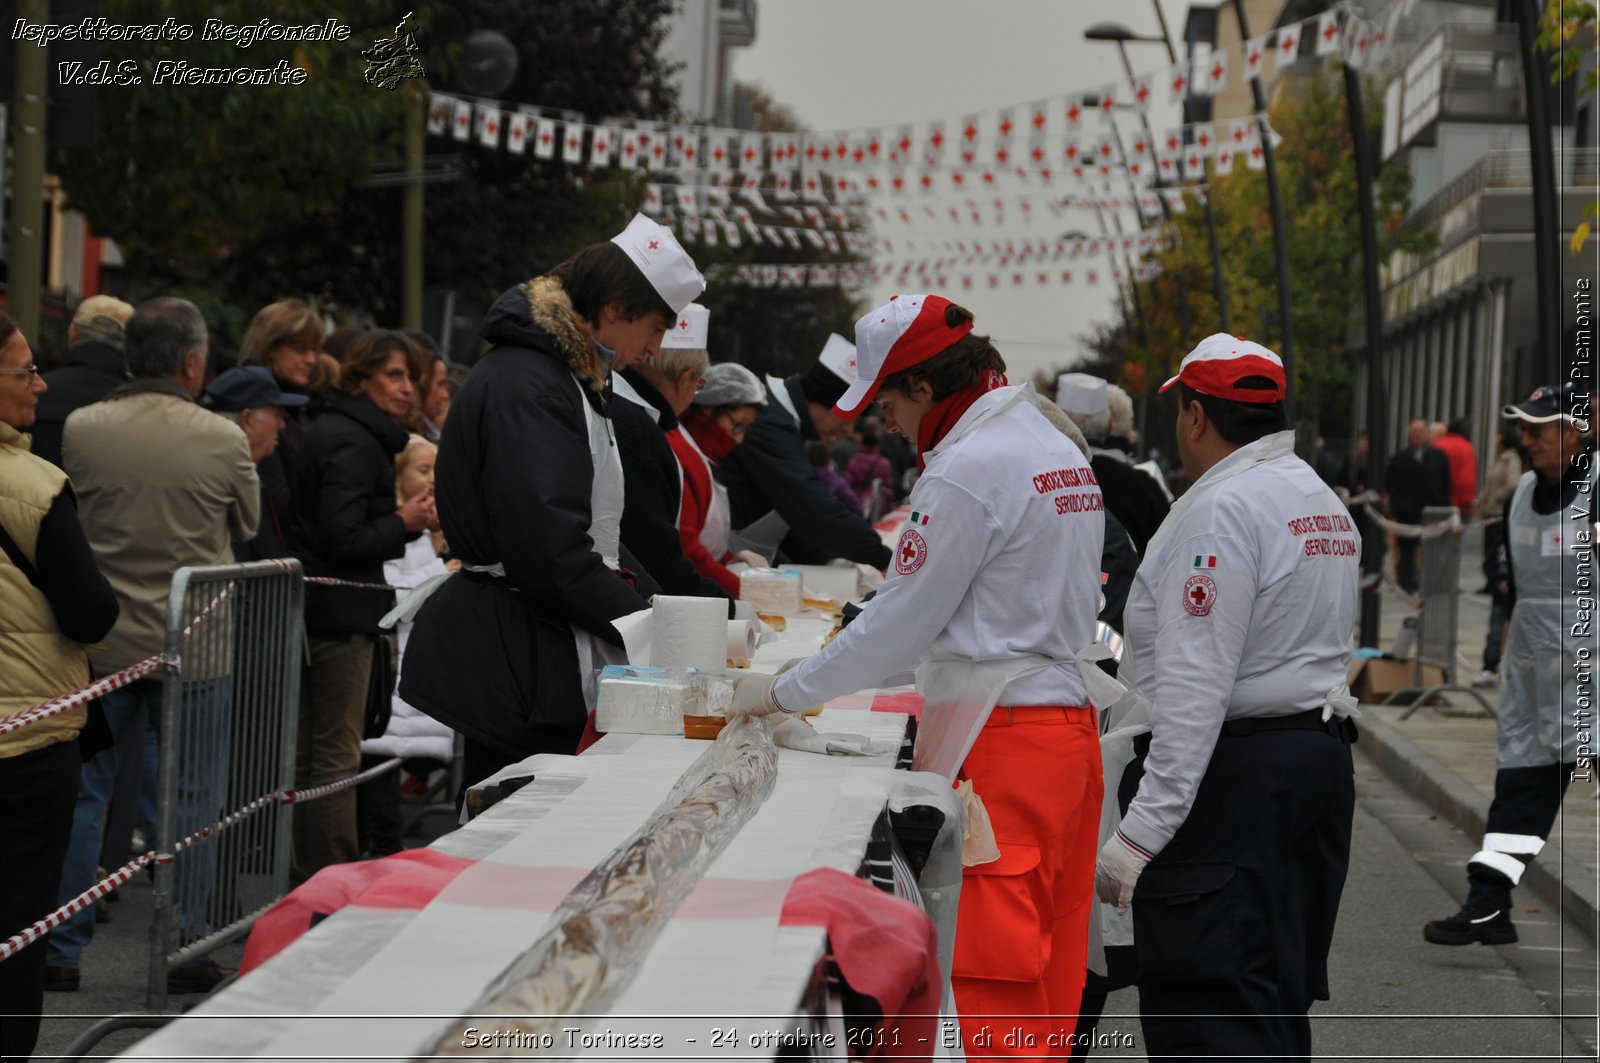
(605, 528)
(1552, 556)
(959, 692)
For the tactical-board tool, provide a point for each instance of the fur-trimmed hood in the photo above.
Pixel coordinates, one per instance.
(538, 314)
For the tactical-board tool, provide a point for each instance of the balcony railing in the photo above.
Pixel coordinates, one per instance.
(1463, 73)
(1576, 168)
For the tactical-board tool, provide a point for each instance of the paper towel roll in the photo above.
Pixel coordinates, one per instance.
(689, 632)
(743, 635)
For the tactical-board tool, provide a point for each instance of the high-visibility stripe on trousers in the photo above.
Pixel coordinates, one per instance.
(1022, 933)
(1526, 803)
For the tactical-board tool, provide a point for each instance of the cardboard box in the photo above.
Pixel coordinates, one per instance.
(1375, 679)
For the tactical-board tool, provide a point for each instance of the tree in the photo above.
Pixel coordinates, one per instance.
(1564, 27)
(1316, 173)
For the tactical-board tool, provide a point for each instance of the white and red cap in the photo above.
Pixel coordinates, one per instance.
(904, 332)
(839, 357)
(1220, 361)
(662, 260)
(692, 330)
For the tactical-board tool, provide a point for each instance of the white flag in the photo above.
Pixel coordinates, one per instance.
(544, 138)
(489, 126)
(1254, 53)
(1179, 81)
(440, 112)
(600, 146)
(933, 145)
(717, 158)
(1288, 45)
(463, 130)
(572, 143)
(1328, 32)
(1216, 72)
(517, 133)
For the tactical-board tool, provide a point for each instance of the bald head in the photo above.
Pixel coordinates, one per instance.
(1417, 433)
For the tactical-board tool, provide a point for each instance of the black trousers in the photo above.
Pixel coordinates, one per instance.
(1405, 562)
(1234, 918)
(1526, 803)
(38, 791)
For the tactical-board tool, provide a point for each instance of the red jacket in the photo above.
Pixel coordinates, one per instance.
(1458, 450)
(692, 513)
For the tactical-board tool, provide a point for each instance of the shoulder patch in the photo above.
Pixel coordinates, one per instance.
(1199, 594)
(910, 553)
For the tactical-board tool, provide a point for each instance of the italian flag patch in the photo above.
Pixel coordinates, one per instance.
(1205, 560)
(918, 518)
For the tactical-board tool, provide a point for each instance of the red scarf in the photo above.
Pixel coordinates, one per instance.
(938, 421)
(714, 440)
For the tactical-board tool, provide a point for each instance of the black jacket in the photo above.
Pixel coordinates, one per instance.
(88, 371)
(344, 522)
(277, 477)
(1417, 477)
(1132, 496)
(495, 658)
(651, 493)
(770, 471)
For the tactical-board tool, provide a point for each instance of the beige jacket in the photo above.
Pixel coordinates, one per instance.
(162, 483)
(37, 662)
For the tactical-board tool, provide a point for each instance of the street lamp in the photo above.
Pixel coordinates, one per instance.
(1120, 35)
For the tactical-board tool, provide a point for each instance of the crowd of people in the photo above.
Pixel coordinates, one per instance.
(597, 455)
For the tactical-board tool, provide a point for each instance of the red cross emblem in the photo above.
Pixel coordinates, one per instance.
(655, 245)
(1143, 93)
(1045, 173)
(572, 143)
(1001, 155)
(629, 148)
(1108, 102)
(872, 183)
(859, 154)
(689, 151)
(1255, 57)
(872, 147)
(1005, 128)
(1331, 32)
(516, 133)
(1038, 154)
(658, 151)
(1288, 45)
(971, 132)
(1178, 82)
(1038, 119)
(958, 177)
(1199, 595)
(1071, 151)
(827, 153)
(544, 138)
(1074, 112)
(1166, 164)
(1066, 276)
(911, 553)
(898, 182)
(1255, 152)
(1203, 138)
(1217, 71)
(905, 144)
(811, 151)
(927, 180)
(749, 155)
(493, 127)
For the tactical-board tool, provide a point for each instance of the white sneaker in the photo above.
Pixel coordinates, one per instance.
(1486, 678)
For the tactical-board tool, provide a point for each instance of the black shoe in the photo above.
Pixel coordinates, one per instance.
(199, 979)
(60, 979)
(1487, 926)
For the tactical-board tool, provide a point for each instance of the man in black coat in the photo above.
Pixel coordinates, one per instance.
(530, 497)
(1418, 476)
(769, 471)
(92, 366)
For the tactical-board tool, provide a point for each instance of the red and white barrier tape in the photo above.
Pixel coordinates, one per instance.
(103, 685)
(1417, 531)
(27, 936)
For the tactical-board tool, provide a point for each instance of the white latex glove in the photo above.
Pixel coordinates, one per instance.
(753, 559)
(1117, 871)
(790, 663)
(792, 732)
(1341, 703)
(752, 695)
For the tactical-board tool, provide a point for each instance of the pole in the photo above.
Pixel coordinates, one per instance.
(411, 209)
(1218, 286)
(1541, 154)
(1372, 538)
(1280, 237)
(27, 189)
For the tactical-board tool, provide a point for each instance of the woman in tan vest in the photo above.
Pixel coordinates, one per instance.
(53, 601)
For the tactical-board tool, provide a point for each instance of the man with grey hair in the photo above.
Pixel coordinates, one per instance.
(1130, 495)
(162, 483)
(92, 366)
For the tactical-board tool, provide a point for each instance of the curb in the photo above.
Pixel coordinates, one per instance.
(1430, 781)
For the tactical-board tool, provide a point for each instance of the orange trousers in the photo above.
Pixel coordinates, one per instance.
(1022, 934)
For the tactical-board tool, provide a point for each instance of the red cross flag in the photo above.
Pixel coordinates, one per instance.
(1194, 164)
(717, 155)
(1225, 155)
(969, 130)
(489, 127)
(1142, 92)
(517, 133)
(440, 112)
(1074, 114)
(652, 200)
(1254, 52)
(1179, 82)
(544, 138)
(900, 146)
(933, 147)
(750, 152)
(463, 122)
(1288, 45)
(572, 145)
(1216, 72)
(1108, 102)
(1358, 42)
(1203, 138)
(1328, 32)
(1139, 147)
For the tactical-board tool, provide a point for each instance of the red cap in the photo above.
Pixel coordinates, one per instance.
(1216, 366)
(905, 331)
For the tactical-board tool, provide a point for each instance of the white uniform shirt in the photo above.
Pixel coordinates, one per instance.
(1001, 560)
(1243, 606)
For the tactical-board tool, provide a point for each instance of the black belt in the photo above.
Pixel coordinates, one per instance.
(1310, 720)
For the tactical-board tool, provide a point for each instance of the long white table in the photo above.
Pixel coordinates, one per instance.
(724, 980)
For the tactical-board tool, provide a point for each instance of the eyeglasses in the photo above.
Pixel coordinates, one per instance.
(27, 370)
(1532, 429)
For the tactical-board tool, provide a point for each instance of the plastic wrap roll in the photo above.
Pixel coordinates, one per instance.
(608, 922)
(689, 633)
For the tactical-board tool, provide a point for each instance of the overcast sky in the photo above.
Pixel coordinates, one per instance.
(847, 64)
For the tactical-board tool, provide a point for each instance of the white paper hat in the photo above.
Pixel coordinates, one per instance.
(692, 332)
(1081, 393)
(839, 355)
(663, 261)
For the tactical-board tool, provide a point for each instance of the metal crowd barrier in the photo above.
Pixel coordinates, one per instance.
(1438, 615)
(229, 712)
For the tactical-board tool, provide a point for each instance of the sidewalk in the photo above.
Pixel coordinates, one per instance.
(1444, 756)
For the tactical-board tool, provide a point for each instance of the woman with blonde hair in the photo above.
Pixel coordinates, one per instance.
(285, 337)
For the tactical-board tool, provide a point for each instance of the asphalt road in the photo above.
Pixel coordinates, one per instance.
(1394, 996)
